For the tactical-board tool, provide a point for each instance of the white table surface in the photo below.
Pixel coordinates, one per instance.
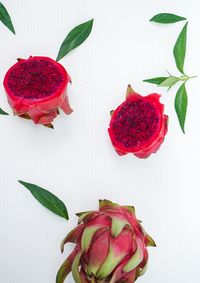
(76, 161)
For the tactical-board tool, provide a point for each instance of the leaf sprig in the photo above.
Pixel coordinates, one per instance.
(179, 52)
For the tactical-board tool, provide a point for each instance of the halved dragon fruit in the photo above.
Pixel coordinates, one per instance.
(36, 89)
(110, 246)
(138, 125)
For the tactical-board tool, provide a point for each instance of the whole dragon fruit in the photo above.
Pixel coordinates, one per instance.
(138, 125)
(110, 246)
(36, 89)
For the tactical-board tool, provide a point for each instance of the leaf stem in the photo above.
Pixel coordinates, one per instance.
(186, 78)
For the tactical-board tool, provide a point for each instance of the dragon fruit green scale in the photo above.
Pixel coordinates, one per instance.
(110, 246)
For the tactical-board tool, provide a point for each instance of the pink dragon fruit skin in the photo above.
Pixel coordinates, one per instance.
(36, 89)
(138, 125)
(110, 246)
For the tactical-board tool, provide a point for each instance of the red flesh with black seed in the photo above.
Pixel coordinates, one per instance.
(138, 125)
(36, 89)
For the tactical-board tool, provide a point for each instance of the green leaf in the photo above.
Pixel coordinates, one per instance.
(156, 81)
(47, 199)
(181, 102)
(2, 112)
(75, 38)
(170, 81)
(180, 49)
(167, 18)
(5, 18)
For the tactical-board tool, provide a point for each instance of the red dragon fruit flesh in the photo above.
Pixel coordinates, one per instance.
(110, 246)
(36, 89)
(138, 125)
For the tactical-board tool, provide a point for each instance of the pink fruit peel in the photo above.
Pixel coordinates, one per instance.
(111, 246)
(36, 89)
(138, 125)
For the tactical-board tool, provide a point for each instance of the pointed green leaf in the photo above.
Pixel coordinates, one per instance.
(170, 81)
(75, 38)
(180, 49)
(2, 112)
(156, 81)
(167, 18)
(5, 18)
(47, 199)
(181, 102)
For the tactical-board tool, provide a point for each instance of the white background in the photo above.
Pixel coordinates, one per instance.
(76, 161)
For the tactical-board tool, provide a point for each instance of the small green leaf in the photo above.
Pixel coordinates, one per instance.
(180, 49)
(167, 18)
(170, 81)
(5, 18)
(75, 38)
(181, 102)
(156, 81)
(47, 199)
(2, 112)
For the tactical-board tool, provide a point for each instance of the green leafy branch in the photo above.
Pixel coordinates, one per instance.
(179, 52)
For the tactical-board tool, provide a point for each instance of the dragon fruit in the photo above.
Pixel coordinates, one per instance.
(36, 89)
(138, 125)
(110, 246)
